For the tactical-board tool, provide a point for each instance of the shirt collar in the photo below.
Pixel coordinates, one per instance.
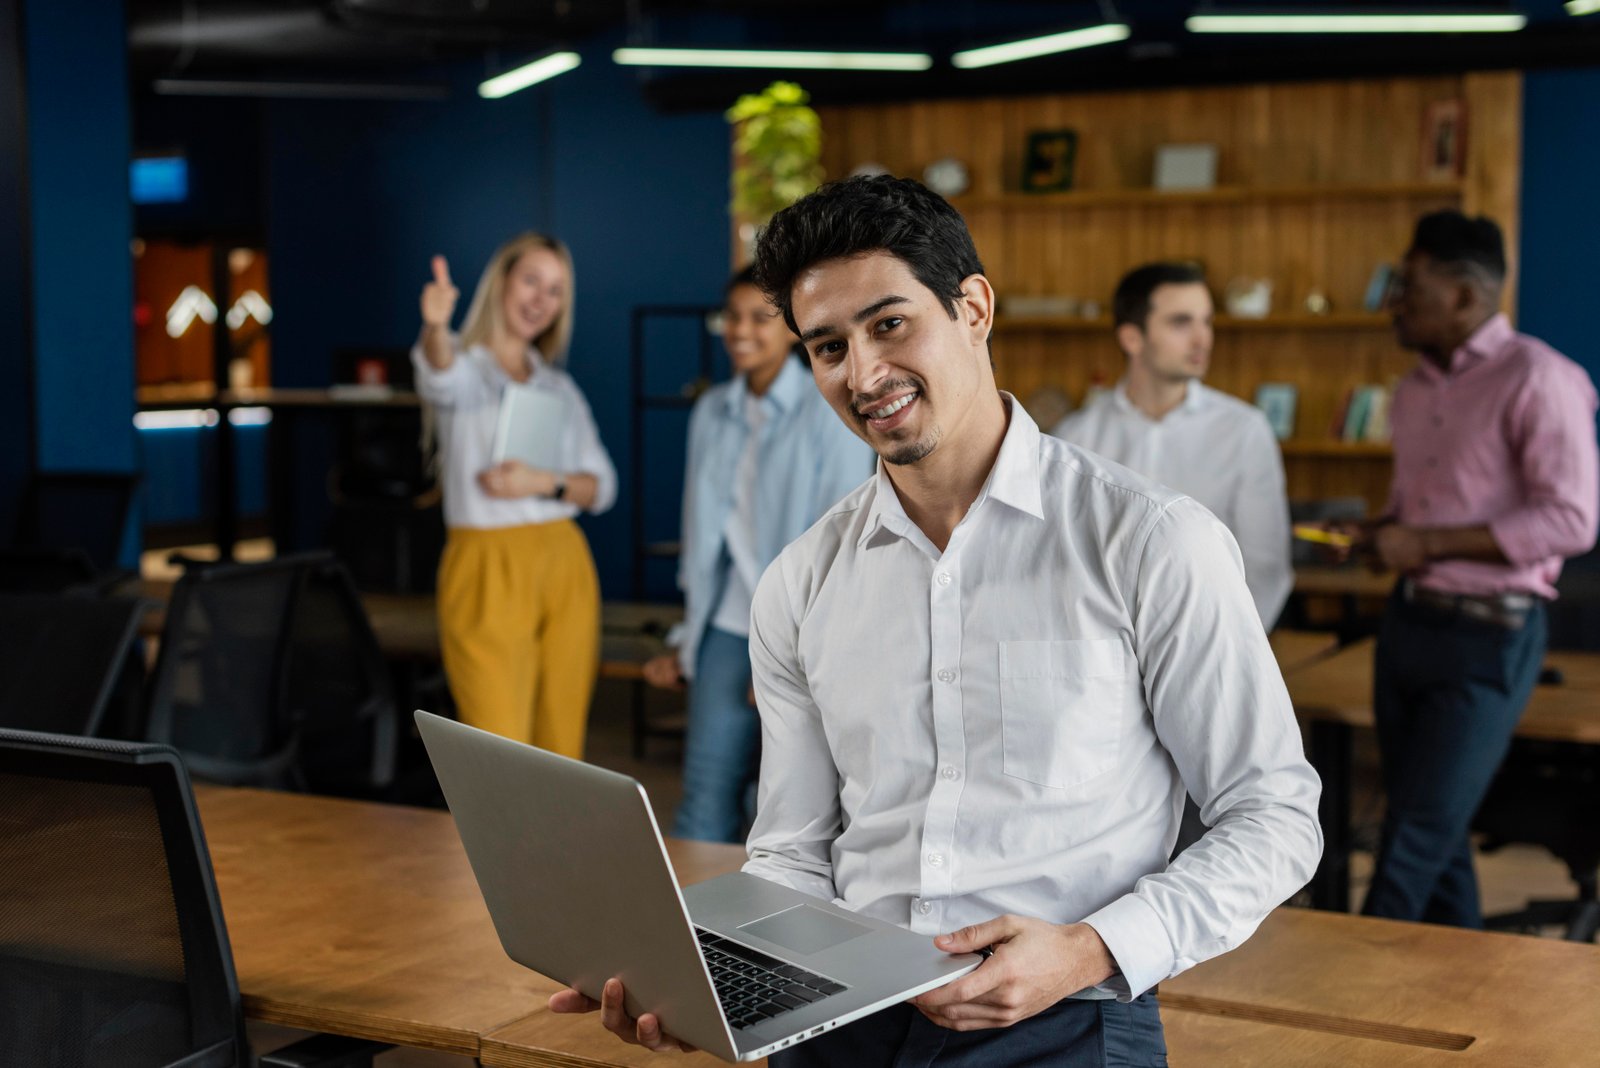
(785, 392)
(1485, 343)
(1194, 398)
(1014, 480)
(536, 364)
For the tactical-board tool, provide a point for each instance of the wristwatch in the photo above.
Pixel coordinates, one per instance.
(560, 492)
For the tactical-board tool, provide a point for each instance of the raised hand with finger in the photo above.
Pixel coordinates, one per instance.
(439, 296)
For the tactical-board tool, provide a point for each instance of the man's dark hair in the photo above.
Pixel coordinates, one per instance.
(1131, 302)
(744, 276)
(868, 214)
(1467, 245)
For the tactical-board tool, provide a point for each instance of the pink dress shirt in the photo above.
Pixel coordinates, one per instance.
(1505, 438)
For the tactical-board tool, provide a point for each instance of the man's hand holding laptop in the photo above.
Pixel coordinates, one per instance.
(1033, 965)
(645, 1031)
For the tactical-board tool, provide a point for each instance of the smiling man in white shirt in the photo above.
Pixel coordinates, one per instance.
(1162, 422)
(986, 676)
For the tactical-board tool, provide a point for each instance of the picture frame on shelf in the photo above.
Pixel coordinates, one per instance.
(1185, 168)
(1050, 161)
(1379, 285)
(1277, 402)
(1444, 134)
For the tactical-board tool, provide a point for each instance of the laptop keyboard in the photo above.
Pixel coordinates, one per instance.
(753, 987)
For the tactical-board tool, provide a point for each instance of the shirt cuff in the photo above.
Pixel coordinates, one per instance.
(1517, 537)
(1138, 943)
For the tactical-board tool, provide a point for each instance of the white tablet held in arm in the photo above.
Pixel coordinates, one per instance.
(531, 426)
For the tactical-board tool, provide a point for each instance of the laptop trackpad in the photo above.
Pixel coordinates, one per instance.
(805, 929)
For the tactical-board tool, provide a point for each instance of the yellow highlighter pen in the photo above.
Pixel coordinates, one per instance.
(1306, 532)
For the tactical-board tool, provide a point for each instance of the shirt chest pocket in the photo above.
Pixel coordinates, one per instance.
(1061, 710)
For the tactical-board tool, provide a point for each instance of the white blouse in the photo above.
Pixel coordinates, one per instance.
(466, 401)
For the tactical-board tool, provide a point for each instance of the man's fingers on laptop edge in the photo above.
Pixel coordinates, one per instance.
(570, 1000)
(651, 1036)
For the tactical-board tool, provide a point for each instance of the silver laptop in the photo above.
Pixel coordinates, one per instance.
(573, 869)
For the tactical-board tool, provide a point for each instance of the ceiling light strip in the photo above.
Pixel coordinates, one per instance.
(1442, 22)
(1583, 7)
(759, 58)
(1031, 47)
(539, 70)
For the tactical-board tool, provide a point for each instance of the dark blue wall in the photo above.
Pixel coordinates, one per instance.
(1561, 210)
(78, 144)
(360, 195)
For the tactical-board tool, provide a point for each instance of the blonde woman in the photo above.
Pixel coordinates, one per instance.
(519, 600)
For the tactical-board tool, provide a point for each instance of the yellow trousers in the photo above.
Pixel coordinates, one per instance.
(519, 624)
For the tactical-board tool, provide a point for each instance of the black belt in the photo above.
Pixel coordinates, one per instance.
(1508, 610)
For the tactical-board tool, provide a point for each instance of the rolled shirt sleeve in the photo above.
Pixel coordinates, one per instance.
(1554, 436)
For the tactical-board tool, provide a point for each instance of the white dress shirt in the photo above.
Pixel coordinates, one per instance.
(1218, 450)
(1009, 725)
(466, 407)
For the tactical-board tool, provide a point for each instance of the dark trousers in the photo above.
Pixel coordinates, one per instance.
(1069, 1034)
(1447, 694)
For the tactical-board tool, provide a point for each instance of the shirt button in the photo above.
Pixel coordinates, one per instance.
(1438, 420)
(925, 907)
(947, 675)
(1433, 461)
(949, 772)
(935, 860)
(1422, 503)
(945, 578)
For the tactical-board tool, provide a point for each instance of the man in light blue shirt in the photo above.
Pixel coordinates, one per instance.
(766, 458)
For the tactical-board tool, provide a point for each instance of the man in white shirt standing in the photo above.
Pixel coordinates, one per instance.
(987, 675)
(1162, 422)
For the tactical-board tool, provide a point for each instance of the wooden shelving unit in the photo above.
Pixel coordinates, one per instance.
(1222, 195)
(1318, 184)
(1223, 324)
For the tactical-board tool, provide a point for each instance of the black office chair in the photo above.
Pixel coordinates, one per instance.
(88, 510)
(112, 945)
(340, 692)
(1547, 793)
(61, 659)
(113, 949)
(220, 692)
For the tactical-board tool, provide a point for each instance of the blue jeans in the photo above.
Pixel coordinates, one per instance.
(1447, 694)
(720, 756)
(1069, 1034)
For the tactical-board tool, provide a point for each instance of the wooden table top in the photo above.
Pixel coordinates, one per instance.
(1297, 648)
(1338, 688)
(360, 919)
(1310, 989)
(1353, 581)
(1409, 990)
(364, 919)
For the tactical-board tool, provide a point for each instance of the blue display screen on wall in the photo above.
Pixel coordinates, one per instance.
(159, 179)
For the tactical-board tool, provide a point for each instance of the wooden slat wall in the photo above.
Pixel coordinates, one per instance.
(1340, 162)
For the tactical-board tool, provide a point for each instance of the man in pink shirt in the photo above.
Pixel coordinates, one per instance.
(1495, 483)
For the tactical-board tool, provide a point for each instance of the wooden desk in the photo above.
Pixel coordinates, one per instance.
(1310, 989)
(1313, 988)
(1297, 648)
(1353, 581)
(1334, 695)
(363, 919)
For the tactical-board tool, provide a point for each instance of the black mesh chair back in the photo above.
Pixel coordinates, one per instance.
(81, 510)
(60, 659)
(340, 692)
(40, 569)
(220, 695)
(112, 945)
